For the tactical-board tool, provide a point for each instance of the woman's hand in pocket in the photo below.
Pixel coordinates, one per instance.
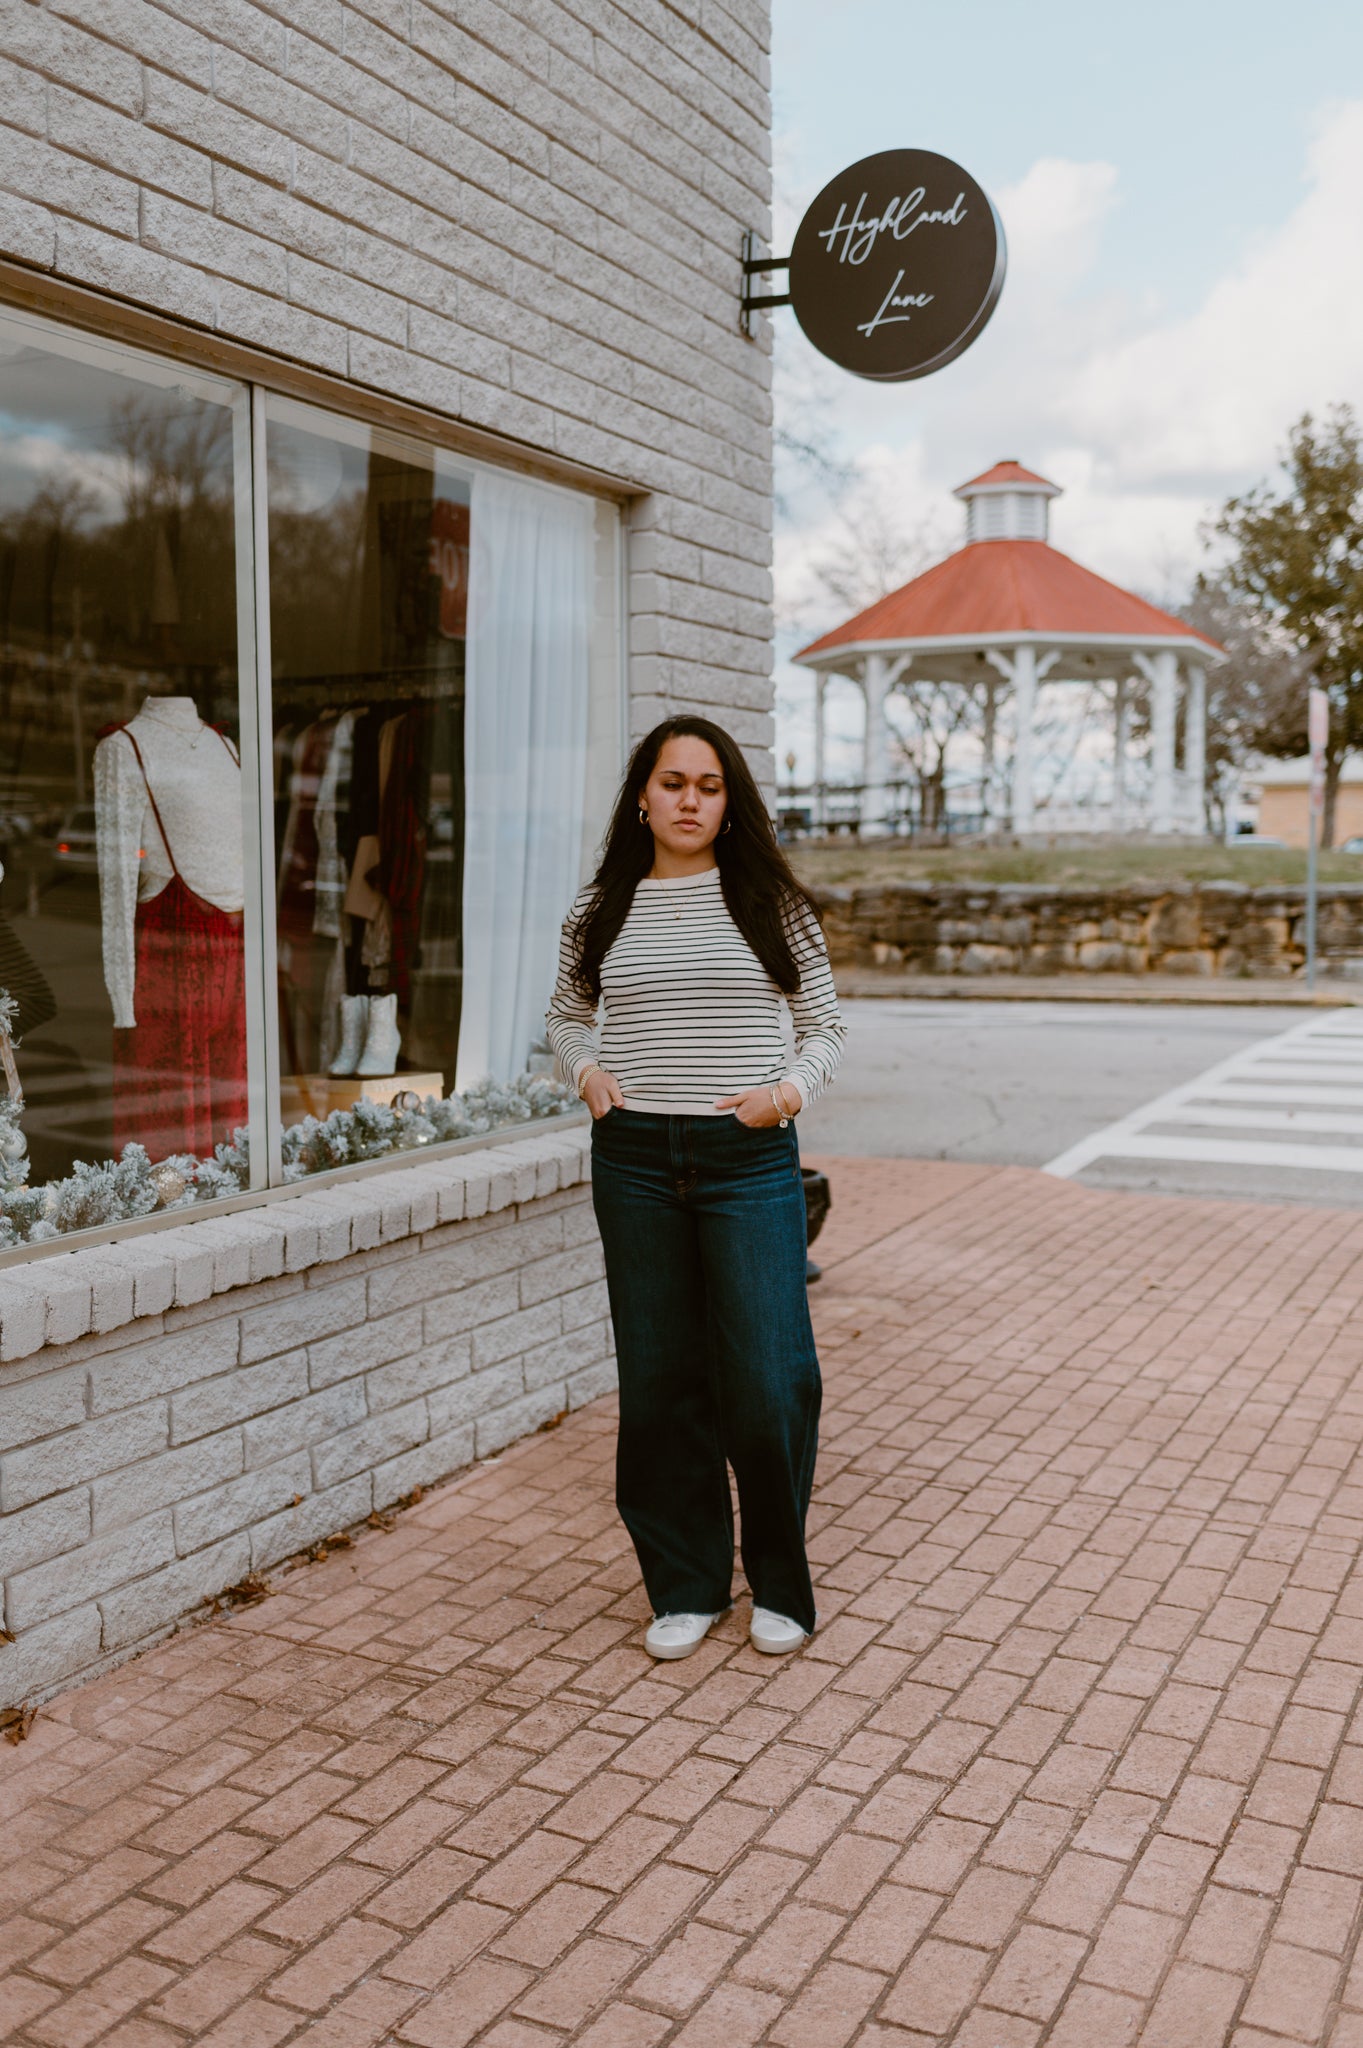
(601, 1092)
(755, 1108)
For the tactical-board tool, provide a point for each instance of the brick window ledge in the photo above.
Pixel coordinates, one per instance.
(98, 1289)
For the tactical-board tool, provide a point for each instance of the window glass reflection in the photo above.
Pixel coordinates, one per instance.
(368, 581)
(120, 785)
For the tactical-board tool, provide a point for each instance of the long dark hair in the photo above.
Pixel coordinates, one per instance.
(760, 891)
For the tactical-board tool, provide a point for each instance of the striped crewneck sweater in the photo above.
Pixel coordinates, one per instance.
(689, 1013)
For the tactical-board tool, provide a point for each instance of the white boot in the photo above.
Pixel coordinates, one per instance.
(384, 1042)
(354, 1023)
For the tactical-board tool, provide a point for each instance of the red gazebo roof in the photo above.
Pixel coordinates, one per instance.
(991, 588)
(1006, 476)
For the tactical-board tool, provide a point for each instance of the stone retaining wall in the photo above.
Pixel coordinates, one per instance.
(184, 1408)
(1211, 928)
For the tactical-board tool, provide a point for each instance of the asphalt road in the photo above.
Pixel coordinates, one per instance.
(1027, 1083)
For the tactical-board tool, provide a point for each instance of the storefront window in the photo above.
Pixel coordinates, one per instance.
(369, 595)
(121, 906)
(221, 972)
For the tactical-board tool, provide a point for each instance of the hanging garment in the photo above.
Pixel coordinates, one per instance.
(365, 900)
(299, 853)
(358, 831)
(376, 947)
(333, 800)
(180, 1071)
(402, 843)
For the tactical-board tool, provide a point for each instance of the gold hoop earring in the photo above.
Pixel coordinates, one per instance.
(643, 815)
(727, 826)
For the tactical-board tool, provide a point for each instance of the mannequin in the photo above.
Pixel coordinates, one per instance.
(169, 844)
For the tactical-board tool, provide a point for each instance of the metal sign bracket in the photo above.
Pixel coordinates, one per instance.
(759, 266)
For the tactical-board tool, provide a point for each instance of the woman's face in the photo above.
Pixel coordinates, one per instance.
(685, 795)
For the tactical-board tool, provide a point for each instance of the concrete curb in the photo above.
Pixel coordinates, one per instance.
(1109, 988)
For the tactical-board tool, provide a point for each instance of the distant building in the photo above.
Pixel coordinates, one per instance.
(1283, 810)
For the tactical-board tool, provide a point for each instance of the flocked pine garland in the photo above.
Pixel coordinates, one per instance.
(124, 1188)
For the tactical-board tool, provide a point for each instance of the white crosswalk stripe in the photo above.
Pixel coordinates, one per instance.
(1297, 1097)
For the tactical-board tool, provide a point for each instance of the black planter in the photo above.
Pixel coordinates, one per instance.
(818, 1200)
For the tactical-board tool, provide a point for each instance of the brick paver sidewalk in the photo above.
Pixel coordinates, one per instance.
(1073, 1758)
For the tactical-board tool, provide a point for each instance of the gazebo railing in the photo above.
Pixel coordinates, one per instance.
(828, 809)
(894, 810)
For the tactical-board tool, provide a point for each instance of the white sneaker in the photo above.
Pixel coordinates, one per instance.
(773, 1634)
(677, 1635)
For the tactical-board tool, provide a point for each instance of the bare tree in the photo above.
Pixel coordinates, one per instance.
(872, 548)
(54, 516)
(937, 712)
(807, 462)
(1256, 697)
(1059, 730)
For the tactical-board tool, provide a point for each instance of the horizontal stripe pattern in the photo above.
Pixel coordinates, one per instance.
(689, 1012)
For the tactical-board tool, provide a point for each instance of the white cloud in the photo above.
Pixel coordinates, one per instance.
(1207, 399)
(1053, 218)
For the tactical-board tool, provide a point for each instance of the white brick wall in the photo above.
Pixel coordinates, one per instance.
(287, 1371)
(525, 214)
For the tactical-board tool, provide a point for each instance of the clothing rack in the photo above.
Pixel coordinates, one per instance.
(371, 689)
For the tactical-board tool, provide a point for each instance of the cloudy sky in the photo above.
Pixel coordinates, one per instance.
(1182, 190)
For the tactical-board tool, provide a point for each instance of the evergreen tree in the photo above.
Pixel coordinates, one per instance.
(1296, 561)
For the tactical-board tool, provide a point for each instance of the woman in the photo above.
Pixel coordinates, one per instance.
(692, 932)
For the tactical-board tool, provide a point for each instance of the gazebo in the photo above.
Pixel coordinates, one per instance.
(1005, 612)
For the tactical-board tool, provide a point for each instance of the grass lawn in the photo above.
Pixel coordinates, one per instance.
(843, 861)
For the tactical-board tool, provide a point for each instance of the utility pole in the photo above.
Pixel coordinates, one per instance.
(1317, 732)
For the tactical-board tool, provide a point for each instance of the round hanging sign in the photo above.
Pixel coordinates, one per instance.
(897, 265)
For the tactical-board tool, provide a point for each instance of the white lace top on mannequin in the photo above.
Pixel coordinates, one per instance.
(197, 781)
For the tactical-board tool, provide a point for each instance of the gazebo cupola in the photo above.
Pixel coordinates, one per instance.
(1007, 503)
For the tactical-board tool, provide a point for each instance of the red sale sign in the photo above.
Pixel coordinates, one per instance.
(449, 560)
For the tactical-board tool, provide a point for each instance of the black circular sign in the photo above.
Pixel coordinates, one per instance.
(897, 265)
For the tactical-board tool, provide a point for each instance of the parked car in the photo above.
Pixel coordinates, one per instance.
(1354, 845)
(73, 851)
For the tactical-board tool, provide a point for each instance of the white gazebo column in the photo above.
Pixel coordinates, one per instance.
(873, 747)
(1024, 672)
(1121, 737)
(1024, 700)
(1195, 745)
(879, 675)
(1161, 672)
(820, 743)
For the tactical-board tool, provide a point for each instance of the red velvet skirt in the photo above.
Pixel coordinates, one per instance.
(180, 1071)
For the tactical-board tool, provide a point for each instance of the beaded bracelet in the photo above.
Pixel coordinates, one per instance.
(779, 1103)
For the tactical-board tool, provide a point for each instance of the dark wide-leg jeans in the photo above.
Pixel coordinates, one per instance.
(703, 1224)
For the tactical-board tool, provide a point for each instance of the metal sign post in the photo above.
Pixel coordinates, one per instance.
(1317, 733)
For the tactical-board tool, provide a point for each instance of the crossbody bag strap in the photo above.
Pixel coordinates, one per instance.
(131, 737)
